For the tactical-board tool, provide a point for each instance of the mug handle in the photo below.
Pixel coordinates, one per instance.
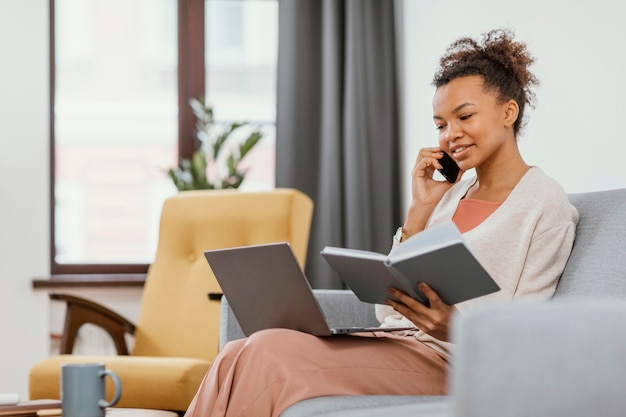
(118, 388)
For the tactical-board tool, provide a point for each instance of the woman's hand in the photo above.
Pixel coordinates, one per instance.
(425, 191)
(434, 320)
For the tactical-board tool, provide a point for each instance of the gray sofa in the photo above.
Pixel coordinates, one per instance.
(564, 357)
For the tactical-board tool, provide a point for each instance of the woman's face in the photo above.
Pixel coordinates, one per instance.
(472, 125)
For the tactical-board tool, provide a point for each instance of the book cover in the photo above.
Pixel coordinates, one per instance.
(437, 256)
(31, 408)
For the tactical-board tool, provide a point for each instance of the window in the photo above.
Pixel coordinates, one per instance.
(115, 122)
(241, 57)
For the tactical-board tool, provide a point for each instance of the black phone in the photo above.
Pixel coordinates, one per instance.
(450, 169)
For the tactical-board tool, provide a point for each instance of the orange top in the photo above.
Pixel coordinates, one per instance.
(471, 212)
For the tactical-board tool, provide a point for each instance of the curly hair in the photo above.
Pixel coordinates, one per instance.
(501, 62)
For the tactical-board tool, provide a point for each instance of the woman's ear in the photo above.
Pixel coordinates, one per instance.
(511, 112)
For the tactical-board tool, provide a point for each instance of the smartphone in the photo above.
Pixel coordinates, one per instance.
(450, 169)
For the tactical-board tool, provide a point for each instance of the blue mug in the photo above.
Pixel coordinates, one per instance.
(83, 389)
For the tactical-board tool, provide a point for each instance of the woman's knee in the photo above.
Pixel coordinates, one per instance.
(262, 341)
(277, 340)
(271, 336)
(233, 347)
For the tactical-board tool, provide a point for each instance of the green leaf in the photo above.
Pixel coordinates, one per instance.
(219, 141)
(249, 143)
(198, 170)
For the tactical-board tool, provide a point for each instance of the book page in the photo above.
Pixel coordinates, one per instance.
(354, 253)
(428, 240)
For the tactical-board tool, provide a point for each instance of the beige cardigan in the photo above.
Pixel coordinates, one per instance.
(524, 245)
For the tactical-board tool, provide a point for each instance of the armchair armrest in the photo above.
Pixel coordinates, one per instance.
(81, 311)
(341, 307)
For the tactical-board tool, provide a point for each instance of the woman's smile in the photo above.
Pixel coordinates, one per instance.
(459, 152)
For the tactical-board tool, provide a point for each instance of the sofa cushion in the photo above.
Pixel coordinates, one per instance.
(362, 405)
(597, 265)
(147, 382)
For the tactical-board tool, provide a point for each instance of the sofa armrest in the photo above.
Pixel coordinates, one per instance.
(558, 358)
(341, 307)
(229, 327)
(82, 311)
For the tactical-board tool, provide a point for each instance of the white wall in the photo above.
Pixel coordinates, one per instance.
(575, 133)
(23, 188)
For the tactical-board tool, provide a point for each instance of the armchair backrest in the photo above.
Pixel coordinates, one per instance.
(177, 319)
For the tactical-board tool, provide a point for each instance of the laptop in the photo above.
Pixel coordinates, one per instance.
(266, 288)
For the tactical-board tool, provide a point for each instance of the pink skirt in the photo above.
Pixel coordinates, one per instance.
(273, 369)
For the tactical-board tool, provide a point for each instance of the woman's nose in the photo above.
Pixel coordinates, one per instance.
(453, 132)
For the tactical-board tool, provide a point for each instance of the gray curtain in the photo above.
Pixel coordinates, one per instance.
(337, 123)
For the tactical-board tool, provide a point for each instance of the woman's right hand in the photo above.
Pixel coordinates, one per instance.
(425, 190)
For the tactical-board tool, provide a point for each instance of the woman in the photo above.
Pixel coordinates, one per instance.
(517, 221)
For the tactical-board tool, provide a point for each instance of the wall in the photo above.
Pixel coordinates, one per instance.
(23, 188)
(574, 134)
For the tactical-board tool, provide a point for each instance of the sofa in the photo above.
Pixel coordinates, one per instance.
(564, 357)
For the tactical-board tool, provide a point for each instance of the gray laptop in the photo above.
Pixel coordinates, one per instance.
(266, 288)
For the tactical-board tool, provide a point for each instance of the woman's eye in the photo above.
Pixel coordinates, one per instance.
(465, 117)
(439, 127)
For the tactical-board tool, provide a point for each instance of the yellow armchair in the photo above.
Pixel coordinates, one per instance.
(176, 335)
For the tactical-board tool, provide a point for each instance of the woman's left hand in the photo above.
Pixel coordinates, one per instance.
(434, 320)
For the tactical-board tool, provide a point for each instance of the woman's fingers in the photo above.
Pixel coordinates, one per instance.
(433, 297)
(433, 319)
(428, 157)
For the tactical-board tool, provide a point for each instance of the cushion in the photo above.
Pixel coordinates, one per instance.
(365, 405)
(158, 382)
(596, 267)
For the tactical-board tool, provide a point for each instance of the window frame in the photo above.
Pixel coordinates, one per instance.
(191, 83)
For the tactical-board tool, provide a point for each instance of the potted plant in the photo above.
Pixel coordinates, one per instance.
(216, 162)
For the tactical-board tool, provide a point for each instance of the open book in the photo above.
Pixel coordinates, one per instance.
(437, 256)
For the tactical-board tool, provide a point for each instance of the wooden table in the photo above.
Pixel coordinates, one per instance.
(138, 412)
(50, 408)
(30, 408)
